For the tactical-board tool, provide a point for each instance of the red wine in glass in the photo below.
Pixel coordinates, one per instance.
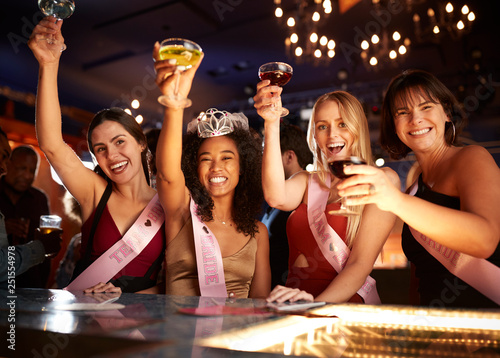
(279, 73)
(337, 169)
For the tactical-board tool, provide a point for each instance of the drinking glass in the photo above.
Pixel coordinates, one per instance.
(60, 9)
(48, 224)
(186, 53)
(337, 168)
(279, 73)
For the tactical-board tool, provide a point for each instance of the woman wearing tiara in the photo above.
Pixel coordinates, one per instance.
(209, 185)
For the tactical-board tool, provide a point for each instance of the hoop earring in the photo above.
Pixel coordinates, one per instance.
(454, 132)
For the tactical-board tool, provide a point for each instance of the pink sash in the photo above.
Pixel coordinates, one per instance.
(478, 273)
(124, 250)
(208, 258)
(332, 246)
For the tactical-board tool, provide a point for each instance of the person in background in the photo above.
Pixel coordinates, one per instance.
(152, 135)
(72, 255)
(451, 212)
(210, 189)
(16, 259)
(331, 256)
(296, 155)
(22, 204)
(119, 185)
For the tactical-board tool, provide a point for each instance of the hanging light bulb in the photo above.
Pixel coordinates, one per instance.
(323, 41)
(465, 9)
(449, 8)
(375, 39)
(290, 22)
(373, 61)
(365, 45)
(317, 53)
(313, 38)
(316, 16)
(402, 50)
(278, 12)
(436, 29)
(331, 44)
(298, 51)
(396, 36)
(460, 25)
(393, 54)
(294, 38)
(331, 53)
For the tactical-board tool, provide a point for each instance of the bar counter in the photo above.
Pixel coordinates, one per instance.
(57, 323)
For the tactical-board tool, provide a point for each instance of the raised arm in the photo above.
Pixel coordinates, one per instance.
(278, 192)
(75, 176)
(171, 186)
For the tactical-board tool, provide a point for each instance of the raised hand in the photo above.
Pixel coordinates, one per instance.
(47, 52)
(267, 101)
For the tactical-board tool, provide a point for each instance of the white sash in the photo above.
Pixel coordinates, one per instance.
(478, 273)
(124, 250)
(208, 258)
(332, 246)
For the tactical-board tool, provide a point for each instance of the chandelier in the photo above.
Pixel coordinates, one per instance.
(445, 19)
(304, 43)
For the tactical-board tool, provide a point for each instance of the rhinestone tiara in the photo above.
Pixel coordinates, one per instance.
(214, 123)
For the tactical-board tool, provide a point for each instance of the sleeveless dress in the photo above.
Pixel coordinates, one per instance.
(182, 275)
(319, 274)
(437, 286)
(141, 272)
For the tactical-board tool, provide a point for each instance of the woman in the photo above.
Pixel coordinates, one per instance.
(338, 128)
(452, 214)
(118, 145)
(210, 186)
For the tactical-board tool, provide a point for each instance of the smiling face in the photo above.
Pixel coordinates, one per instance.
(219, 165)
(330, 131)
(420, 122)
(117, 152)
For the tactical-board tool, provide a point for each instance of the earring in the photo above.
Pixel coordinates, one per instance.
(454, 132)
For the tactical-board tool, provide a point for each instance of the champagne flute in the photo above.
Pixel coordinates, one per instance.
(60, 9)
(279, 73)
(186, 53)
(337, 168)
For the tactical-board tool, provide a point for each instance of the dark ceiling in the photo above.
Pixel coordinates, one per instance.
(108, 60)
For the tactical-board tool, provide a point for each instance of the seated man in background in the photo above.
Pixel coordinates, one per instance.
(14, 260)
(22, 205)
(296, 155)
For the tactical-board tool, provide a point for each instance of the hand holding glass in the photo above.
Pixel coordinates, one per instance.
(186, 54)
(279, 73)
(60, 9)
(337, 169)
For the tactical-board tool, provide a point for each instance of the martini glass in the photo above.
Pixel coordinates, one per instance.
(60, 9)
(279, 73)
(186, 53)
(337, 169)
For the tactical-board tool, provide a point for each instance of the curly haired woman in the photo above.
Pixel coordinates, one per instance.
(210, 189)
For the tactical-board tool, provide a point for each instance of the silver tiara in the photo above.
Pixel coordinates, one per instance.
(214, 123)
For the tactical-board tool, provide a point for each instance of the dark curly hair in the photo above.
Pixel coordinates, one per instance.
(248, 197)
(404, 87)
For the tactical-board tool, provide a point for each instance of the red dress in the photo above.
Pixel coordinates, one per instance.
(319, 273)
(144, 267)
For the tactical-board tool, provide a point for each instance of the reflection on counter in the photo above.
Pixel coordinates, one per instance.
(371, 331)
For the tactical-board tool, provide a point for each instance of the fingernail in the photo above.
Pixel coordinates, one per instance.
(172, 61)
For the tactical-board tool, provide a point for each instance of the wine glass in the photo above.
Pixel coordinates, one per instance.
(186, 53)
(279, 73)
(60, 9)
(337, 168)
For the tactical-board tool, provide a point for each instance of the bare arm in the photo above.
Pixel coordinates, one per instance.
(261, 283)
(79, 180)
(171, 185)
(278, 192)
(475, 228)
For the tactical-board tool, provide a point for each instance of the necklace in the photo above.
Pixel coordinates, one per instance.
(223, 222)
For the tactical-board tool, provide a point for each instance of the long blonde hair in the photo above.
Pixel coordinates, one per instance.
(353, 115)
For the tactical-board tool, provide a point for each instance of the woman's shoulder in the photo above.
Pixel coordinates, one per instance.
(262, 231)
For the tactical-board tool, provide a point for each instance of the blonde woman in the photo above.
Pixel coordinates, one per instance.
(332, 261)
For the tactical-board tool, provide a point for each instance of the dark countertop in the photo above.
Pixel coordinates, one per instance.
(152, 326)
